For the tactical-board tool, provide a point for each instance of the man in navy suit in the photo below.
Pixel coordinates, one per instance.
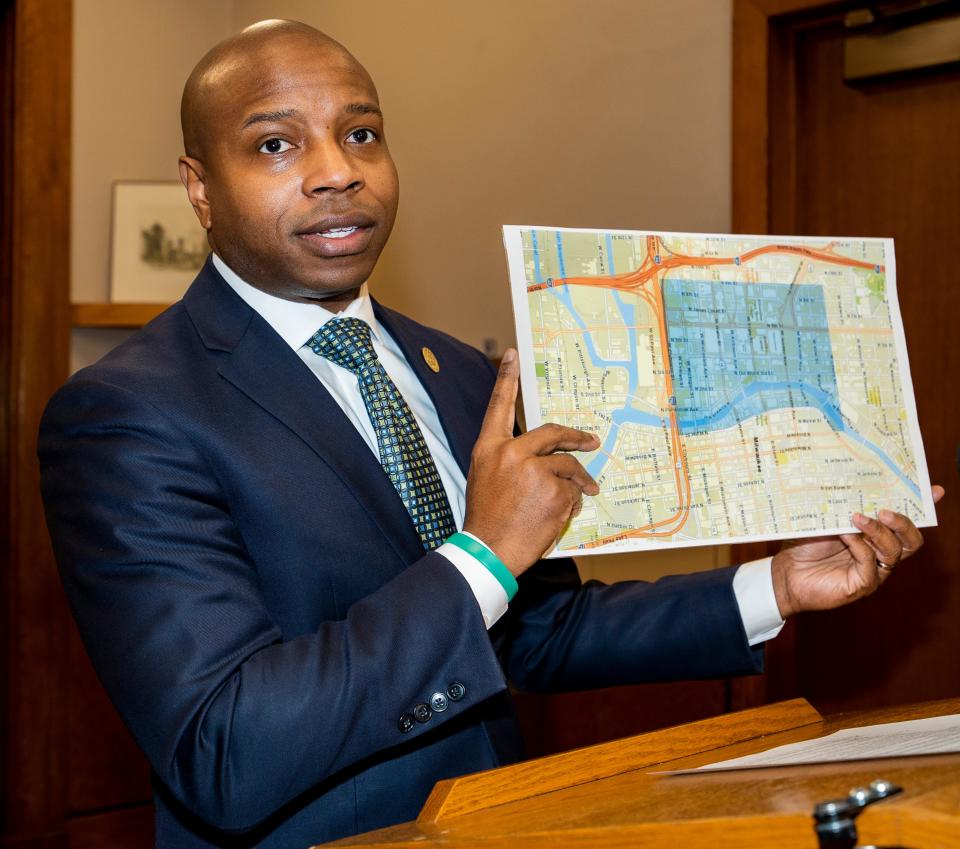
(257, 584)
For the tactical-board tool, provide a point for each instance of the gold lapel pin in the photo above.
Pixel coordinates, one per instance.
(430, 359)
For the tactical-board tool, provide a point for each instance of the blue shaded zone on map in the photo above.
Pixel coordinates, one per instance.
(738, 350)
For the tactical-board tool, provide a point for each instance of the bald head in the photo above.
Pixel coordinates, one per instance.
(239, 60)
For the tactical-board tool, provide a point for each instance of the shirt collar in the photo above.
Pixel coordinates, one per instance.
(296, 321)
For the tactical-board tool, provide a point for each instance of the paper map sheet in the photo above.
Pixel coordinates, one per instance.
(936, 735)
(742, 387)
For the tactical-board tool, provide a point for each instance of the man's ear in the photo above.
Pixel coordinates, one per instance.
(193, 178)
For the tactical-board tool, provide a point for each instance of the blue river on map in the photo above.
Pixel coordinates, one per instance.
(724, 416)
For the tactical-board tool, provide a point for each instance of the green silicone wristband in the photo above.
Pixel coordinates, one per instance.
(490, 560)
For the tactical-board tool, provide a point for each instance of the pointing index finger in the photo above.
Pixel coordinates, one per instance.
(501, 409)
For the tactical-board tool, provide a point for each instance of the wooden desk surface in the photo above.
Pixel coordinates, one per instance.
(607, 802)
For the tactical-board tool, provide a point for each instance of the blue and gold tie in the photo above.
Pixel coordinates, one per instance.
(403, 451)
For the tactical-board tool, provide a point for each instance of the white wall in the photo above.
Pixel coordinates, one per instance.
(608, 113)
(130, 61)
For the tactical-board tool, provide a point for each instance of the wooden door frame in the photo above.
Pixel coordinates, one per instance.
(754, 70)
(34, 356)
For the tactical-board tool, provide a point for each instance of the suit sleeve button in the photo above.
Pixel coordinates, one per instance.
(405, 723)
(456, 691)
(422, 712)
(438, 701)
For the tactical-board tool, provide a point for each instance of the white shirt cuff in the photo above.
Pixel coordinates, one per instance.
(753, 588)
(490, 595)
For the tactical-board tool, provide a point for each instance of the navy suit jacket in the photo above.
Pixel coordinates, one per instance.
(259, 607)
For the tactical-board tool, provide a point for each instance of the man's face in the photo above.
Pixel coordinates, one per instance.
(296, 186)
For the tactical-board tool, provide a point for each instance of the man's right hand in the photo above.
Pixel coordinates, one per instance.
(520, 490)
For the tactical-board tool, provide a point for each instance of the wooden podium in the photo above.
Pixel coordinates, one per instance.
(605, 796)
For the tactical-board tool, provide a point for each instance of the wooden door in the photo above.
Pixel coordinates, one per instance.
(69, 776)
(34, 245)
(815, 155)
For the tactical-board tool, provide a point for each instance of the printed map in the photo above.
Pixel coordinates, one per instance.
(742, 387)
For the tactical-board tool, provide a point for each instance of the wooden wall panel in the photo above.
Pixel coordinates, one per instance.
(881, 159)
(813, 155)
(564, 721)
(120, 829)
(749, 120)
(35, 292)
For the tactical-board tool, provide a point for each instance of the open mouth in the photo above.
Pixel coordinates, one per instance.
(338, 232)
(333, 238)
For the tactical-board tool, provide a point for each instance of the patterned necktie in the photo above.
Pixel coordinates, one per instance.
(403, 451)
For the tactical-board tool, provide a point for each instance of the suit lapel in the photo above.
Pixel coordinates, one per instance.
(262, 366)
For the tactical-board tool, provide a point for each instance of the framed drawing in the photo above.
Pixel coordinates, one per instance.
(157, 244)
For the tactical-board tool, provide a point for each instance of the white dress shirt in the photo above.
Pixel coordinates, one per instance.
(295, 322)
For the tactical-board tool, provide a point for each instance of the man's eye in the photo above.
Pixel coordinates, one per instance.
(362, 136)
(275, 146)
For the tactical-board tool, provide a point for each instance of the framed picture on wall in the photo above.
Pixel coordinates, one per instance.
(157, 244)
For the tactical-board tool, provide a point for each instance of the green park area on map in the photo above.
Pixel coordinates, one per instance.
(742, 387)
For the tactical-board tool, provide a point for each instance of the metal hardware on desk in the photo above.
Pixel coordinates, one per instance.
(835, 821)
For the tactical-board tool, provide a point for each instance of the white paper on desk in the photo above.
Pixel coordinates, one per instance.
(933, 736)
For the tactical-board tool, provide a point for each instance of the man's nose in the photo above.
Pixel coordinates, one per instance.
(330, 168)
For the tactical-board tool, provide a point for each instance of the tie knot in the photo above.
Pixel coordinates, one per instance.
(346, 342)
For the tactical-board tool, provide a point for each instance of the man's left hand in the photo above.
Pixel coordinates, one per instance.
(827, 572)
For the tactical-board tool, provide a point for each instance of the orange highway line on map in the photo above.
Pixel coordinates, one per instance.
(639, 277)
(679, 464)
(683, 494)
(683, 488)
